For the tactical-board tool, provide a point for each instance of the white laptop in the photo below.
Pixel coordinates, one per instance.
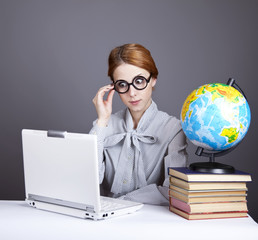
(61, 175)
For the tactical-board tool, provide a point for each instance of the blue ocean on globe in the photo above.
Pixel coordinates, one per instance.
(215, 116)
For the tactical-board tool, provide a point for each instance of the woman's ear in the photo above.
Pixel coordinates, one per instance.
(153, 82)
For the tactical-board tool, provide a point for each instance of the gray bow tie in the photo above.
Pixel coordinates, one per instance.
(136, 166)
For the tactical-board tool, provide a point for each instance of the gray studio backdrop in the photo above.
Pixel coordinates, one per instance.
(53, 59)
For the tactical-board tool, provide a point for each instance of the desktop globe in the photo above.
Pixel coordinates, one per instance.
(215, 117)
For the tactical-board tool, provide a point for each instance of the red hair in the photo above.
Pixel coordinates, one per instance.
(134, 54)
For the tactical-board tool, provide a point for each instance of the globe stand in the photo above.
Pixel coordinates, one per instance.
(212, 166)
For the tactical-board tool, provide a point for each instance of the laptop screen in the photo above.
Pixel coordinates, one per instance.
(61, 168)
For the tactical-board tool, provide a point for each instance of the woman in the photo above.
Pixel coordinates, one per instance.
(138, 144)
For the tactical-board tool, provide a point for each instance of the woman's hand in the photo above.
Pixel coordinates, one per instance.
(104, 107)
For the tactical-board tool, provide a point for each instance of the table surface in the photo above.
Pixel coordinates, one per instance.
(20, 221)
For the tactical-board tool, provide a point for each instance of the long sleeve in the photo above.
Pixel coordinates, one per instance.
(101, 133)
(177, 155)
(150, 194)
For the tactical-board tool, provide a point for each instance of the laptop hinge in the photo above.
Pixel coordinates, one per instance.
(55, 133)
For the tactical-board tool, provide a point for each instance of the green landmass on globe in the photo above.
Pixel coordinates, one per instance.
(215, 116)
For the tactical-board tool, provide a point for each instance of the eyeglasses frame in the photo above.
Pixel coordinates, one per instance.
(129, 84)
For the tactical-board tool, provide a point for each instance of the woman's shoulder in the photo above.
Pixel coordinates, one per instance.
(118, 116)
(116, 121)
(168, 123)
(169, 119)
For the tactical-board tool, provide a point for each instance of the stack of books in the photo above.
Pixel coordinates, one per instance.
(195, 195)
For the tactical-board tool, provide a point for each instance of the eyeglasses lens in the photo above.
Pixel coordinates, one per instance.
(140, 83)
(121, 86)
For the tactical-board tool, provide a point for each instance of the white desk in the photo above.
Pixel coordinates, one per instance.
(20, 221)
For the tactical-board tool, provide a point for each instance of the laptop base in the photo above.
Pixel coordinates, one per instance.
(80, 213)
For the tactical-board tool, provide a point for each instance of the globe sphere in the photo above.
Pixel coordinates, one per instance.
(215, 116)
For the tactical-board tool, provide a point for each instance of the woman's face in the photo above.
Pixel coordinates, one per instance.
(136, 100)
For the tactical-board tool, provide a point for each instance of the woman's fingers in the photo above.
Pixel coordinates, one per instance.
(110, 96)
(101, 92)
(104, 107)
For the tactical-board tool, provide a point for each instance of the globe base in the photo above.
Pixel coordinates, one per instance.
(211, 167)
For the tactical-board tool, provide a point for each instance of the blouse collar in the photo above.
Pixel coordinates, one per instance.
(145, 120)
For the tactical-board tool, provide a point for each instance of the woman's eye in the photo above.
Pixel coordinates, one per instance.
(138, 81)
(122, 85)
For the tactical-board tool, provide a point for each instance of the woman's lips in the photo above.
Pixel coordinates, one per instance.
(135, 102)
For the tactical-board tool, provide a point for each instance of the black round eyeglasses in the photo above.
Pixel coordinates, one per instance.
(139, 83)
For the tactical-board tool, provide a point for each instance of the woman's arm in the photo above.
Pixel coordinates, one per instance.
(177, 155)
(104, 110)
(100, 132)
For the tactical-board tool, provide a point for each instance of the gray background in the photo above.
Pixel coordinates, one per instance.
(53, 59)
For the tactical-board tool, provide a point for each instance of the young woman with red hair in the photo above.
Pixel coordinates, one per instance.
(135, 145)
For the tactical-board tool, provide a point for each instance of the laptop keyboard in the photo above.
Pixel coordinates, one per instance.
(109, 204)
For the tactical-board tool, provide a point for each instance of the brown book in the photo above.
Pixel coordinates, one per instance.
(201, 216)
(206, 199)
(209, 192)
(206, 185)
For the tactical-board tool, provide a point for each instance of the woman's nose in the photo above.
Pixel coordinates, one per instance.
(132, 91)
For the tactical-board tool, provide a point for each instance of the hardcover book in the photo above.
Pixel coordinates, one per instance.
(209, 192)
(208, 207)
(202, 216)
(206, 199)
(193, 176)
(206, 185)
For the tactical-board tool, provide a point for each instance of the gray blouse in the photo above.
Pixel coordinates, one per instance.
(133, 162)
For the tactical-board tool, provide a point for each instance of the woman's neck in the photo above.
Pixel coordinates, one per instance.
(137, 115)
(136, 118)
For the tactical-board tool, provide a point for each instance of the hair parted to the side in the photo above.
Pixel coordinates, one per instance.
(134, 54)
